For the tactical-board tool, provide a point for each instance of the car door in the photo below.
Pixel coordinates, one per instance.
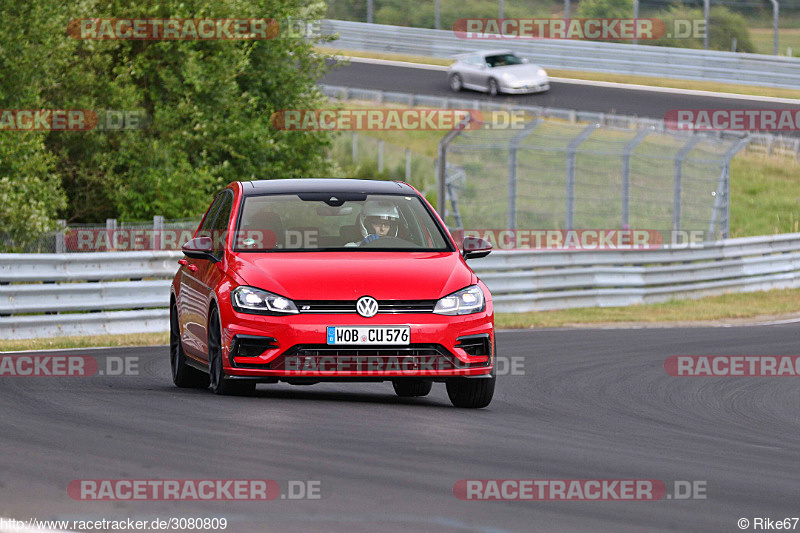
(474, 74)
(194, 296)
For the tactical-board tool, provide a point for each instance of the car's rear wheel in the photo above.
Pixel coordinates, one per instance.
(409, 388)
(183, 375)
(493, 87)
(456, 83)
(221, 384)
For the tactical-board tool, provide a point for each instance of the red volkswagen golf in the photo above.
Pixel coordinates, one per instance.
(312, 280)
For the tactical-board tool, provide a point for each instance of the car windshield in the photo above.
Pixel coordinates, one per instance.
(503, 60)
(337, 222)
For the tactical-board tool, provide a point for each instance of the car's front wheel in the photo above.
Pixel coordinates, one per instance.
(455, 83)
(183, 375)
(494, 89)
(219, 383)
(409, 388)
(471, 393)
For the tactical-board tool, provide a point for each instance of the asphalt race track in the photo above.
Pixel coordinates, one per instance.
(592, 404)
(615, 100)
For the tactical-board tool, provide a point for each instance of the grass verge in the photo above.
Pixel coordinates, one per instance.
(60, 343)
(597, 76)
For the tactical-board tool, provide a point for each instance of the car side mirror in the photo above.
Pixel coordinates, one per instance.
(199, 248)
(525, 60)
(475, 247)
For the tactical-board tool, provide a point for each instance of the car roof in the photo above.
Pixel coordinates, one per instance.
(334, 185)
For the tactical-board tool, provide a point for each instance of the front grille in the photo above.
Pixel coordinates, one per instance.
(349, 358)
(349, 306)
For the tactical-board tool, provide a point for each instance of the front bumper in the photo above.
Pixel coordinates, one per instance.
(525, 87)
(295, 347)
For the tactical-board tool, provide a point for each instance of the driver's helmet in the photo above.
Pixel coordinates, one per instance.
(378, 211)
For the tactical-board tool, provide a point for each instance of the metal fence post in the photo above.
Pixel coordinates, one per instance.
(626, 174)
(111, 230)
(571, 149)
(677, 192)
(158, 233)
(61, 226)
(355, 147)
(513, 146)
(380, 156)
(408, 164)
(441, 165)
(722, 200)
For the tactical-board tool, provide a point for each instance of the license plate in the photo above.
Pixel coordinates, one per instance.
(369, 334)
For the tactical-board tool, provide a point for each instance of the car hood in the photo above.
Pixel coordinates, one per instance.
(524, 71)
(350, 275)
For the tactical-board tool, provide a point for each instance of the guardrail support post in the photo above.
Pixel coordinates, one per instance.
(355, 147)
(626, 174)
(380, 156)
(571, 149)
(677, 192)
(513, 146)
(408, 164)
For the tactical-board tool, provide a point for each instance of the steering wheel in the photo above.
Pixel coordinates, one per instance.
(387, 242)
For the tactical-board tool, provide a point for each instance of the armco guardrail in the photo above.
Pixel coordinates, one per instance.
(542, 280)
(51, 295)
(640, 60)
(54, 295)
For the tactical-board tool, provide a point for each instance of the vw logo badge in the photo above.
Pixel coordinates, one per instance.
(367, 306)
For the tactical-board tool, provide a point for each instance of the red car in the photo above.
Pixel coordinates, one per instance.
(312, 280)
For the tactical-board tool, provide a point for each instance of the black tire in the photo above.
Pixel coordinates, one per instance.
(219, 383)
(409, 388)
(471, 393)
(456, 84)
(183, 375)
(494, 89)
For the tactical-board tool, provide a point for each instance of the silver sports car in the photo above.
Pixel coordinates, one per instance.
(497, 71)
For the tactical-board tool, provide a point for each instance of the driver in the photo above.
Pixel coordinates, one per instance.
(378, 219)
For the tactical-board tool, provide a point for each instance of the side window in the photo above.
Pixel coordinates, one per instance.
(208, 220)
(220, 225)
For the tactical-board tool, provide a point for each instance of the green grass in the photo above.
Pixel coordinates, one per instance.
(787, 37)
(59, 343)
(739, 306)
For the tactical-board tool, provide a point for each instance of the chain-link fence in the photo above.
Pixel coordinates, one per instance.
(555, 174)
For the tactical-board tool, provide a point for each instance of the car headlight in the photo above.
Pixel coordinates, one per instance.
(251, 300)
(541, 73)
(463, 302)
